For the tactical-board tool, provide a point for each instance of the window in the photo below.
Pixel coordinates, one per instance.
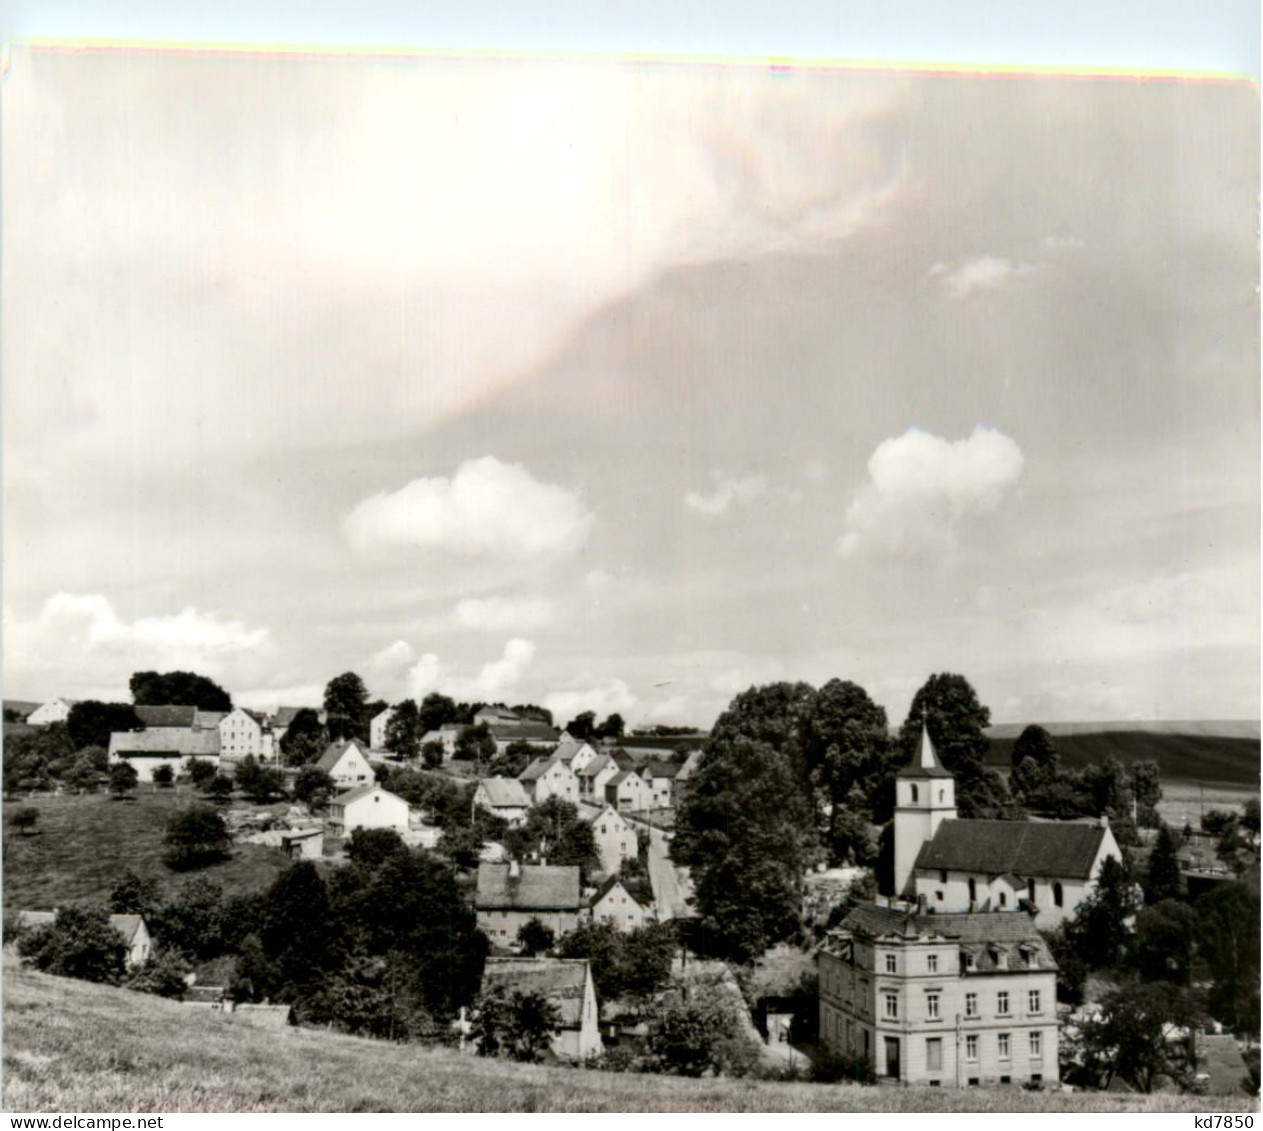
(1030, 890)
(914, 795)
(1006, 1079)
(934, 1054)
(931, 1006)
(1037, 1077)
(1057, 895)
(1037, 1044)
(942, 793)
(931, 963)
(942, 875)
(890, 964)
(973, 1081)
(939, 896)
(1002, 1045)
(971, 1005)
(892, 1006)
(1002, 1003)
(973, 890)
(971, 1046)
(1032, 1001)
(1004, 899)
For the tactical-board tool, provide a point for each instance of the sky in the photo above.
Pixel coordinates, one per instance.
(624, 385)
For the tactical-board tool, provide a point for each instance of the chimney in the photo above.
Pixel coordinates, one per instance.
(515, 870)
(1105, 821)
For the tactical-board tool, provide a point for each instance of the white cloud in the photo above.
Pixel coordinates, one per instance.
(400, 672)
(598, 579)
(424, 676)
(732, 681)
(108, 649)
(293, 695)
(614, 695)
(921, 486)
(504, 614)
(502, 675)
(986, 273)
(728, 490)
(487, 509)
(675, 711)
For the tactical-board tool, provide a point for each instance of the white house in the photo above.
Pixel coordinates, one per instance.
(133, 928)
(576, 755)
(628, 792)
(593, 776)
(615, 838)
(146, 750)
(623, 903)
(377, 728)
(54, 711)
(660, 777)
(347, 765)
(963, 865)
(504, 798)
(549, 777)
(240, 733)
(567, 984)
(367, 807)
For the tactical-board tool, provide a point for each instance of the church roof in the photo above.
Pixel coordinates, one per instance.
(926, 763)
(1061, 849)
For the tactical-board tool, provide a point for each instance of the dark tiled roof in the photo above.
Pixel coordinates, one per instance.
(1024, 848)
(668, 770)
(538, 887)
(167, 716)
(977, 932)
(524, 731)
(505, 793)
(594, 767)
(165, 742)
(639, 889)
(361, 791)
(561, 980)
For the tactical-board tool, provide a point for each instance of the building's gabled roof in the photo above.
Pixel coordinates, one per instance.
(638, 889)
(497, 715)
(363, 791)
(172, 715)
(540, 766)
(209, 718)
(1055, 849)
(622, 759)
(537, 887)
(621, 777)
(605, 812)
(126, 925)
(164, 742)
(976, 932)
(925, 764)
(333, 752)
(505, 793)
(285, 715)
(563, 981)
(569, 749)
(689, 766)
(668, 770)
(524, 730)
(594, 767)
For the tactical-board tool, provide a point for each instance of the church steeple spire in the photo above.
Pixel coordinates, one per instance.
(929, 758)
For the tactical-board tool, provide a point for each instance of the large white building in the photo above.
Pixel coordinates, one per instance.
(367, 807)
(945, 1000)
(961, 865)
(240, 733)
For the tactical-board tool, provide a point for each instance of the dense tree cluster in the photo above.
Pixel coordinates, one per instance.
(184, 689)
(625, 964)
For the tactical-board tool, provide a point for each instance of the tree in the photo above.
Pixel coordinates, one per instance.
(186, 689)
(24, 819)
(135, 895)
(1099, 934)
(1130, 1038)
(1164, 943)
(1228, 938)
(1146, 791)
(33, 761)
(305, 739)
(257, 782)
(613, 727)
(554, 831)
(91, 722)
(193, 921)
(300, 940)
(462, 845)
(582, 728)
(163, 775)
(1163, 878)
(83, 776)
(195, 838)
(123, 778)
(403, 732)
(370, 848)
(533, 711)
(313, 786)
(1036, 743)
(432, 754)
(163, 973)
(476, 744)
(512, 760)
(688, 1036)
(1250, 818)
(746, 829)
(345, 703)
(79, 943)
(435, 711)
(514, 1024)
(219, 788)
(535, 938)
(200, 771)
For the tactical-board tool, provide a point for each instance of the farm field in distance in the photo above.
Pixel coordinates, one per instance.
(163, 1056)
(82, 844)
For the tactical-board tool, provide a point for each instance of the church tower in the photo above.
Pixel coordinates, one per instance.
(925, 796)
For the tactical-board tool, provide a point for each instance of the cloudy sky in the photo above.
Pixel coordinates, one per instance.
(625, 386)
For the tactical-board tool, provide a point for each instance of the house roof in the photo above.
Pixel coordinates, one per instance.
(1025, 848)
(505, 793)
(497, 715)
(209, 718)
(171, 715)
(925, 764)
(622, 759)
(164, 742)
(539, 767)
(563, 981)
(621, 777)
(126, 925)
(594, 767)
(333, 753)
(689, 766)
(639, 889)
(363, 791)
(668, 770)
(522, 730)
(976, 932)
(568, 749)
(538, 887)
(285, 715)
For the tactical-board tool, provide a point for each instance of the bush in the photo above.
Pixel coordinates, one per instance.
(79, 943)
(834, 1068)
(219, 788)
(196, 838)
(163, 974)
(517, 1025)
(24, 819)
(163, 775)
(313, 786)
(201, 772)
(123, 778)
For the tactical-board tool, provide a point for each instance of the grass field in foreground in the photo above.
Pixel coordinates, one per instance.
(83, 844)
(74, 1047)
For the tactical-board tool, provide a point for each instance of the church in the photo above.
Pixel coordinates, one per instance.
(949, 865)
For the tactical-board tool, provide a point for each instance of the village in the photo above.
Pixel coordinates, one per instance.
(955, 951)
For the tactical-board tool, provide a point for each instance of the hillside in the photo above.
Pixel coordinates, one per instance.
(1226, 752)
(162, 1056)
(82, 845)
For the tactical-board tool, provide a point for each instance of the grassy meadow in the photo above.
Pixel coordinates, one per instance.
(83, 844)
(71, 1046)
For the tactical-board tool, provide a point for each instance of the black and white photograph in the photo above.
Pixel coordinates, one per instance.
(714, 569)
